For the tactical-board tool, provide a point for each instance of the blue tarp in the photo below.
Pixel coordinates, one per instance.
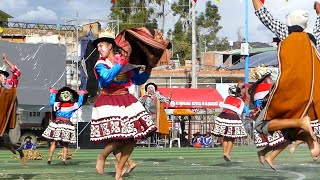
(267, 58)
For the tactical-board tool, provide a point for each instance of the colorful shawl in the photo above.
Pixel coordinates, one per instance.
(144, 46)
(7, 109)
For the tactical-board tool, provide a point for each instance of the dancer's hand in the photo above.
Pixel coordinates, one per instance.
(316, 6)
(120, 60)
(53, 90)
(82, 92)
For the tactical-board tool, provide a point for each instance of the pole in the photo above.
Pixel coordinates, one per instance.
(77, 74)
(163, 16)
(194, 50)
(246, 79)
(247, 37)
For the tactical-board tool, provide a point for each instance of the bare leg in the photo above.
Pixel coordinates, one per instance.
(226, 149)
(118, 156)
(131, 164)
(312, 144)
(126, 150)
(294, 145)
(51, 151)
(230, 146)
(280, 124)
(262, 153)
(277, 150)
(65, 153)
(104, 154)
(23, 158)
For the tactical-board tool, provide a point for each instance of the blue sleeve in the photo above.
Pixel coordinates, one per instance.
(52, 99)
(106, 74)
(80, 100)
(246, 110)
(258, 103)
(139, 78)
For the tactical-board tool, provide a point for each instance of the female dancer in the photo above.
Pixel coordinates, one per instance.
(228, 124)
(259, 92)
(118, 118)
(65, 102)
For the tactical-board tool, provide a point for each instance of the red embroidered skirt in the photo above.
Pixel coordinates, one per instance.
(229, 125)
(119, 116)
(61, 130)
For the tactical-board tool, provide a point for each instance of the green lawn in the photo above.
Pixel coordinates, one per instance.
(165, 163)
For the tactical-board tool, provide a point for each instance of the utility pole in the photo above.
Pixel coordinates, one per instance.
(194, 48)
(163, 16)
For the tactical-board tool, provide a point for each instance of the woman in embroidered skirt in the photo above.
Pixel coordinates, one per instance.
(274, 141)
(228, 124)
(65, 102)
(118, 118)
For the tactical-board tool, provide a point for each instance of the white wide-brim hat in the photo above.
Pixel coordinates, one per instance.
(298, 17)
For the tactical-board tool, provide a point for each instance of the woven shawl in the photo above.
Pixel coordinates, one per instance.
(7, 109)
(296, 92)
(144, 46)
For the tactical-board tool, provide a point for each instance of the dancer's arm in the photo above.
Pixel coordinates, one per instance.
(140, 78)
(162, 98)
(274, 25)
(78, 104)
(14, 80)
(316, 29)
(257, 4)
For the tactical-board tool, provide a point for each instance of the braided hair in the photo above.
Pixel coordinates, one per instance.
(254, 86)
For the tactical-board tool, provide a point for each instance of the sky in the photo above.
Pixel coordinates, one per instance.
(232, 14)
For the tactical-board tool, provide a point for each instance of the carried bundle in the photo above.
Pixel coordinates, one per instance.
(145, 46)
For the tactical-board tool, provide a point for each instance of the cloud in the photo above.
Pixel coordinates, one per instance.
(39, 14)
(232, 13)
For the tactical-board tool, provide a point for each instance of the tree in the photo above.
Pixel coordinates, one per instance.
(207, 29)
(136, 13)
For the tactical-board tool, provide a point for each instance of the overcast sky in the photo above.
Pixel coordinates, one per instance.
(231, 11)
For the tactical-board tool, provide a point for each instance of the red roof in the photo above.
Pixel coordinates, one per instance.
(192, 97)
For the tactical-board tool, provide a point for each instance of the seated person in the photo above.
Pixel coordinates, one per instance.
(28, 143)
(207, 140)
(196, 140)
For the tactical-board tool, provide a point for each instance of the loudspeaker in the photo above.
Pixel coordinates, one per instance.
(84, 137)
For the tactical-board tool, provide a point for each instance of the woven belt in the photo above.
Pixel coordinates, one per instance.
(62, 119)
(228, 111)
(114, 91)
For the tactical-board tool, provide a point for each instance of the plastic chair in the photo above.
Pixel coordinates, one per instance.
(175, 136)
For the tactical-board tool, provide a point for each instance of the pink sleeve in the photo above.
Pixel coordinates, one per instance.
(14, 80)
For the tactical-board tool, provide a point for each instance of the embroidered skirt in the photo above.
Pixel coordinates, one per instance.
(61, 130)
(316, 127)
(119, 117)
(272, 139)
(229, 125)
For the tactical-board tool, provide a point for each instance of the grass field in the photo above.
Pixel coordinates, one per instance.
(165, 163)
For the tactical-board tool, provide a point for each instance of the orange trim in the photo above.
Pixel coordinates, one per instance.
(62, 119)
(114, 91)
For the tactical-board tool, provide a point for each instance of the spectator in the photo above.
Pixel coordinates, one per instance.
(207, 140)
(196, 140)
(28, 143)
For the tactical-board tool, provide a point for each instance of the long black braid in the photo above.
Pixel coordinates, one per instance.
(254, 86)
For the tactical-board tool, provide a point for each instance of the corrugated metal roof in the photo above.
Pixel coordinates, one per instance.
(251, 50)
(5, 15)
(267, 58)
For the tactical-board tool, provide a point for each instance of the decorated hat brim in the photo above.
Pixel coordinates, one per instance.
(152, 84)
(5, 73)
(75, 95)
(103, 39)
